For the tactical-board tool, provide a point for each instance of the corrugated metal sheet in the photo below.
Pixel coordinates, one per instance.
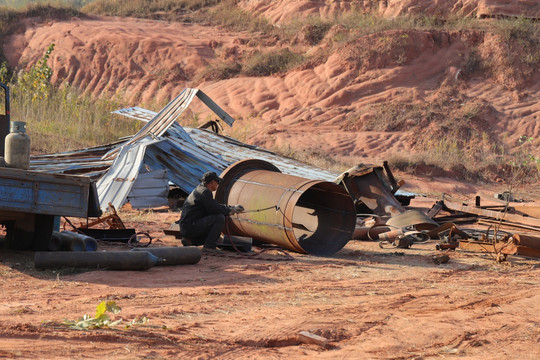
(116, 184)
(230, 151)
(215, 108)
(86, 162)
(137, 113)
(163, 120)
(215, 158)
(148, 115)
(233, 151)
(184, 166)
(150, 190)
(184, 162)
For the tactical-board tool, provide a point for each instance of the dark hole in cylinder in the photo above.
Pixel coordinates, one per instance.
(323, 220)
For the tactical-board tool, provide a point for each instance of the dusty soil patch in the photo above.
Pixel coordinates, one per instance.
(367, 301)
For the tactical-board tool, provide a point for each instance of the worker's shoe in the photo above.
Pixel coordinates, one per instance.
(214, 251)
(186, 241)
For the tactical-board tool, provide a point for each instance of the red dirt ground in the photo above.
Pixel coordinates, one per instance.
(367, 302)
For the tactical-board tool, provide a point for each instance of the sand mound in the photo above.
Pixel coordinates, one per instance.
(137, 59)
(281, 11)
(330, 106)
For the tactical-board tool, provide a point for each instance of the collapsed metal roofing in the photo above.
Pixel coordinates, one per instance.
(163, 148)
(231, 150)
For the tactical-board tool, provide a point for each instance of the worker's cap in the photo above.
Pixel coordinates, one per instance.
(209, 176)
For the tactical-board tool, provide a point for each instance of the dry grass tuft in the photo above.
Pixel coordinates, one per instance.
(271, 62)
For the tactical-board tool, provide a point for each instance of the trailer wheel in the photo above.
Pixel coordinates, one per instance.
(43, 231)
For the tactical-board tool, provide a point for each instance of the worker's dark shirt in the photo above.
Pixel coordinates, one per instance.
(200, 203)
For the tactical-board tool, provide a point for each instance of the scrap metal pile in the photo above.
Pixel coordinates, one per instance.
(498, 229)
(290, 204)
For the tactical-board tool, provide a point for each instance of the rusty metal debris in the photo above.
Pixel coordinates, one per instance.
(502, 213)
(116, 231)
(516, 244)
(412, 226)
(298, 214)
(493, 239)
(440, 259)
(113, 220)
(371, 190)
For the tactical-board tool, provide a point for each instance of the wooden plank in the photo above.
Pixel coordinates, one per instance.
(492, 214)
(507, 224)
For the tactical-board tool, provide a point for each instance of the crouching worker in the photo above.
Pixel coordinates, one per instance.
(203, 218)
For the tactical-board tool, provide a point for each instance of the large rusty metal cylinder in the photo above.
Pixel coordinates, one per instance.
(307, 216)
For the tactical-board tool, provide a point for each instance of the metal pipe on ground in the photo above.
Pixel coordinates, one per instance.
(63, 242)
(186, 255)
(71, 241)
(90, 244)
(111, 260)
(306, 216)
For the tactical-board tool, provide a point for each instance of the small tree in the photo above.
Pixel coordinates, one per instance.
(36, 81)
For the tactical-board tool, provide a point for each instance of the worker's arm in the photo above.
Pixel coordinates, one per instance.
(212, 206)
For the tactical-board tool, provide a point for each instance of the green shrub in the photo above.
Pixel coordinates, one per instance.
(35, 82)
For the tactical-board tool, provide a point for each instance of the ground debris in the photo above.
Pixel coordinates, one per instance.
(440, 259)
(309, 338)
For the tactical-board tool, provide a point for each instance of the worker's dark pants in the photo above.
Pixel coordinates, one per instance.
(205, 231)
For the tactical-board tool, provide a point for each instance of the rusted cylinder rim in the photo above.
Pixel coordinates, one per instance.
(310, 216)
